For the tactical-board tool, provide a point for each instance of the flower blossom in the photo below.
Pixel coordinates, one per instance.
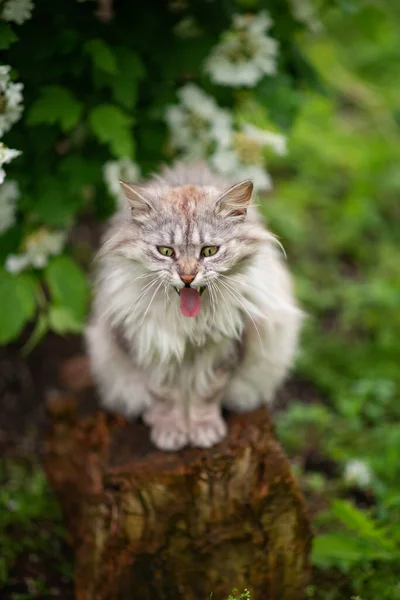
(245, 53)
(37, 248)
(114, 171)
(6, 156)
(245, 159)
(198, 124)
(17, 11)
(10, 100)
(357, 473)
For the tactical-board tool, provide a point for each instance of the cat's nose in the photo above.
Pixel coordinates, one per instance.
(187, 279)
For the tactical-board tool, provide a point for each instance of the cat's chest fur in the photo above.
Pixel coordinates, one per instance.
(179, 351)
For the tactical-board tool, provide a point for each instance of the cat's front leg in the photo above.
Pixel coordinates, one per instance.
(206, 424)
(167, 420)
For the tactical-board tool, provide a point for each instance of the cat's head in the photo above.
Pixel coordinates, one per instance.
(189, 235)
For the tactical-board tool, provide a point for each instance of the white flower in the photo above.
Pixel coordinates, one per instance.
(305, 12)
(4, 76)
(18, 11)
(245, 53)
(197, 125)
(357, 473)
(38, 247)
(115, 170)
(275, 141)
(15, 263)
(9, 193)
(228, 163)
(10, 100)
(6, 156)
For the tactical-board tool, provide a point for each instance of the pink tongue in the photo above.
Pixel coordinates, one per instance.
(190, 302)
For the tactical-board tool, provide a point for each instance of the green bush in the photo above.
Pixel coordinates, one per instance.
(110, 94)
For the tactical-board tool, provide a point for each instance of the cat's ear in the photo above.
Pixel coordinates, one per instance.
(235, 201)
(138, 198)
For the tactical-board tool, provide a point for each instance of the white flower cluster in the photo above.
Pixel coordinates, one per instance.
(199, 128)
(37, 249)
(10, 112)
(305, 12)
(245, 53)
(10, 100)
(17, 11)
(6, 156)
(116, 170)
(198, 125)
(357, 473)
(9, 193)
(245, 159)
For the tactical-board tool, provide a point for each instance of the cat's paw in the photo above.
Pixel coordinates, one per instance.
(206, 430)
(168, 431)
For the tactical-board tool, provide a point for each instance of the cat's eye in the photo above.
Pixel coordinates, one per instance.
(165, 251)
(209, 250)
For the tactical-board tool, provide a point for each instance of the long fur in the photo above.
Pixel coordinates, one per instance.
(147, 357)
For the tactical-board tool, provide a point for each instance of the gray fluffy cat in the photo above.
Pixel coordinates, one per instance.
(193, 307)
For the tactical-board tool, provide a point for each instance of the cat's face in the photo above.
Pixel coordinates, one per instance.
(191, 235)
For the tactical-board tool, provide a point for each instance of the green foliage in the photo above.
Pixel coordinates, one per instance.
(112, 126)
(102, 56)
(29, 519)
(236, 595)
(55, 105)
(68, 285)
(98, 92)
(7, 36)
(17, 301)
(336, 212)
(368, 540)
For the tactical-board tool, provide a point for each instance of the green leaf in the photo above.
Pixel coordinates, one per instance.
(7, 36)
(125, 88)
(56, 105)
(102, 56)
(63, 320)
(17, 302)
(358, 521)
(112, 126)
(55, 203)
(68, 286)
(341, 550)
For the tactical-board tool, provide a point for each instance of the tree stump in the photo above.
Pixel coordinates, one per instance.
(148, 525)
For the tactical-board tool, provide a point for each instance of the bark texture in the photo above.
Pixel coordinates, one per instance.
(148, 525)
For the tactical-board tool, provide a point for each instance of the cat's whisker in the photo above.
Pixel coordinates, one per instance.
(151, 301)
(240, 282)
(144, 291)
(166, 295)
(226, 303)
(127, 311)
(144, 275)
(237, 281)
(229, 289)
(213, 303)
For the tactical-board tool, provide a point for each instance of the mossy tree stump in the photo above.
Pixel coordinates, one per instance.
(147, 525)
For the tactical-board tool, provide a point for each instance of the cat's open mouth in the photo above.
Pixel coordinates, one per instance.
(190, 302)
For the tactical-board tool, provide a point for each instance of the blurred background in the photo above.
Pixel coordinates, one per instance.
(303, 96)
